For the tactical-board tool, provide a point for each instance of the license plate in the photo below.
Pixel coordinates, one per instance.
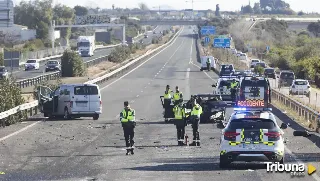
(250, 146)
(81, 104)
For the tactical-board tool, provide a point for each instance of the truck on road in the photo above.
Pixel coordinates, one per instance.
(86, 45)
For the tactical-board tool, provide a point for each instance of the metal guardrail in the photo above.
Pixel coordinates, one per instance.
(54, 75)
(304, 112)
(34, 106)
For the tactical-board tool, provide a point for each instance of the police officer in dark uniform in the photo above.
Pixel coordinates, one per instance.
(233, 89)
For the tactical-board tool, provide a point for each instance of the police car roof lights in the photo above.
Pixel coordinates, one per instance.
(251, 109)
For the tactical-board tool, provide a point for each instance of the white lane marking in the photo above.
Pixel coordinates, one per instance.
(203, 72)
(314, 175)
(190, 61)
(102, 88)
(187, 83)
(19, 131)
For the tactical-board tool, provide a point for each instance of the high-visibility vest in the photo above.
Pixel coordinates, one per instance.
(176, 96)
(167, 94)
(126, 118)
(234, 84)
(208, 60)
(196, 110)
(263, 139)
(178, 112)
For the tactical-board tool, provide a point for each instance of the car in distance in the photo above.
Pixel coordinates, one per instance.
(32, 64)
(270, 73)
(53, 65)
(300, 87)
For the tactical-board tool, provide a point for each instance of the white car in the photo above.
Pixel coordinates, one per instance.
(253, 62)
(300, 87)
(252, 136)
(32, 64)
(243, 56)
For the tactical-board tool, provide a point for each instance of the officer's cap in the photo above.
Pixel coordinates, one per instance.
(126, 103)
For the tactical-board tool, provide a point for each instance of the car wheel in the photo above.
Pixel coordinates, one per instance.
(224, 162)
(96, 117)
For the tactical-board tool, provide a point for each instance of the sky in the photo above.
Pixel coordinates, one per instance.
(225, 5)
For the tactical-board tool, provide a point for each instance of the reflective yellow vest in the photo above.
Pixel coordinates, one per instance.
(126, 118)
(196, 110)
(167, 94)
(176, 96)
(208, 60)
(178, 112)
(234, 84)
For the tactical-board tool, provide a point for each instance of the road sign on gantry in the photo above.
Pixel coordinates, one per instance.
(208, 30)
(221, 43)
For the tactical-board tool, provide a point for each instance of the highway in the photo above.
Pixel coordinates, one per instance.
(22, 74)
(84, 150)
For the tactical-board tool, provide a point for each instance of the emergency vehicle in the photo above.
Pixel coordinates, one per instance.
(252, 135)
(254, 91)
(223, 87)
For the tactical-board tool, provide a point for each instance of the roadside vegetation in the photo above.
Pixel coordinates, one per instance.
(296, 51)
(10, 96)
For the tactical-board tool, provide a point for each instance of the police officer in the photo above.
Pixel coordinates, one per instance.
(167, 102)
(127, 118)
(195, 119)
(233, 86)
(177, 96)
(208, 64)
(180, 122)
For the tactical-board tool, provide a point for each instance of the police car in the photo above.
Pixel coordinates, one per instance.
(254, 91)
(223, 87)
(252, 136)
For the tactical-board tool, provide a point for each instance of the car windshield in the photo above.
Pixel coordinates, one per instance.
(287, 75)
(31, 61)
(258, 83)
(301, 82)
(227, 67)
(251, 123)
(269, 70)
(83, 44)
(86, 90)
(226, 83)
(53, 62)
(254, 61)
(261, 64)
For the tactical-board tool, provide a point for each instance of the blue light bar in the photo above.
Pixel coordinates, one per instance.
(251, 109)
(240, 109)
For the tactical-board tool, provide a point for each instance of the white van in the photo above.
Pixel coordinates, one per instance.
(71, 101)
(204, 63)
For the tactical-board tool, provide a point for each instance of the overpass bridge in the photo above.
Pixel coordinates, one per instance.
(173, 22)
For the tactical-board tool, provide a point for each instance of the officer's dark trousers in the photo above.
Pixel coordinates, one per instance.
(180, 125)
(167, 108)
(233, 94)
(128, 131)
(208, 66)
(195, 127)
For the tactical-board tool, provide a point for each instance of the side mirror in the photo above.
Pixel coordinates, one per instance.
(213, 85)
(301, 133)
(284, 126)
(277, 76)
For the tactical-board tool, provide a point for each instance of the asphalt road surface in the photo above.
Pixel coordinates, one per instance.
(83, 150)
(22, 74)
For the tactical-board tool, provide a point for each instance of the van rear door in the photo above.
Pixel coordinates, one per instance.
(81, 99)
(95, 104)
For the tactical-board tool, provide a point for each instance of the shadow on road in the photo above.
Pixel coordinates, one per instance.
(314, 138)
